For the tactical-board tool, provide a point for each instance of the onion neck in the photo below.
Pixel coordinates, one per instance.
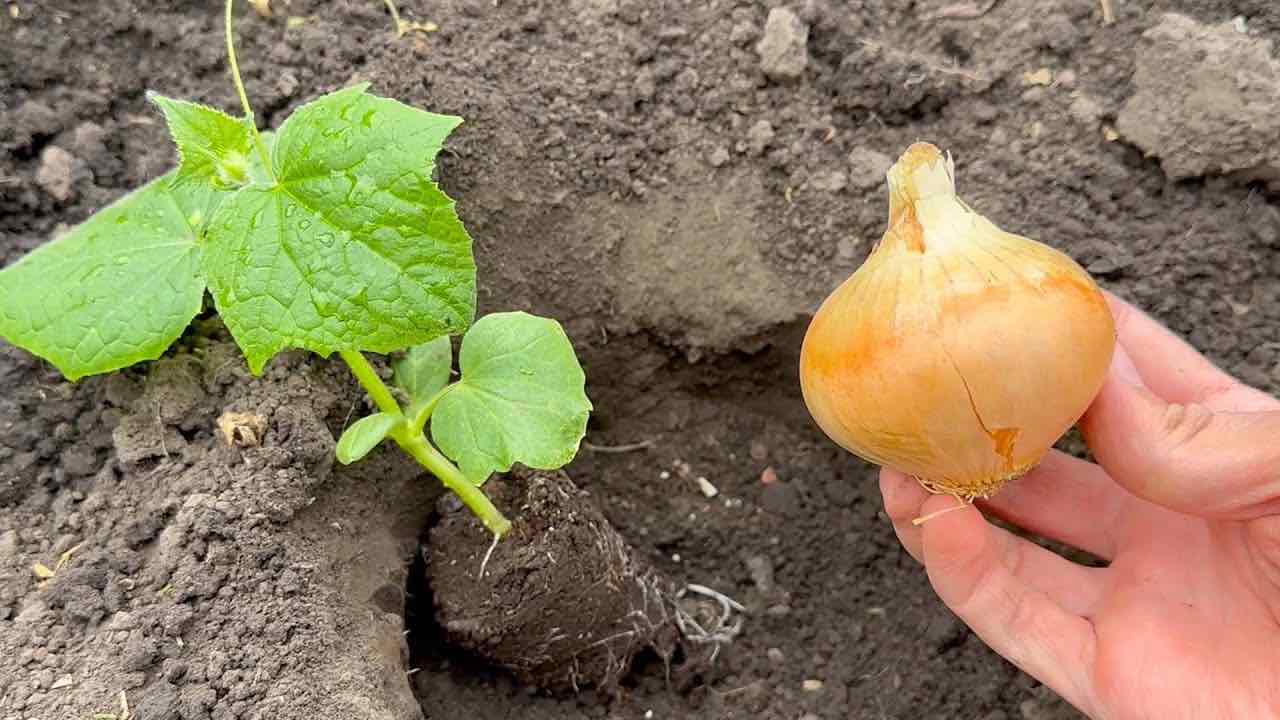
(922, 195)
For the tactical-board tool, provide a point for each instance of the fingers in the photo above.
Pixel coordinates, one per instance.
(1186, 457)
(903, 498)
(1066, 499)
(968, 567)
(1174, 370)
(1072, 586)
(1022, 600)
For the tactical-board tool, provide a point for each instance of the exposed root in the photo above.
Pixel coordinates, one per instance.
(963, 11)
(1108, 14)
(395, 16)
(44, 574)
(485, 563)
(629, 447)
(922, 520)
(163, 445)
(931, 67)
(567, 604)
(404, 27)
(727, 627)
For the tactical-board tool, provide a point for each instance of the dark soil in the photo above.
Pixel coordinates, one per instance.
(627, 168)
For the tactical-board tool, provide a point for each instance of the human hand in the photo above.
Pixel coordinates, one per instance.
(1184, 504)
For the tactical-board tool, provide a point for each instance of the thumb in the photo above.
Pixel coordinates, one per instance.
(1186, 457)
(983, 582)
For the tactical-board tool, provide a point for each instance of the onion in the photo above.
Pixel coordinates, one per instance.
(958, 353)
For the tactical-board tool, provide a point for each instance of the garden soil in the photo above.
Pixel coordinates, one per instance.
(680, 196)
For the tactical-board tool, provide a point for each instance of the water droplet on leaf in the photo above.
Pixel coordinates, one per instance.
(363, 190)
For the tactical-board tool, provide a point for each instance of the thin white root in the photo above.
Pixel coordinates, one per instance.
(724, 630)
(963, 11)
(629, 447)
(726, 603)
(1108, 15)
(485, 563)
(922, 520)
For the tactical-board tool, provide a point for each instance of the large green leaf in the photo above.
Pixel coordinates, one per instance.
(117, 289)
(521, 398)
(354, 247)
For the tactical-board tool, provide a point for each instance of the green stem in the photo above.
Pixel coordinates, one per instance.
(244, 97)
(416, 445)
(395, 17)
(419, 422)
(408, 435)
(369, 380)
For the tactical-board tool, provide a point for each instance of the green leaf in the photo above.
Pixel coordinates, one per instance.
(363, 436)
(115, 290)
(215, 147)
(521, 398)
(424, 370)
(354, 247)
(260, 174)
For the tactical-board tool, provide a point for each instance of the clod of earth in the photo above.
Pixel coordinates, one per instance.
(784, 50)
(564, 603)
(1204, 101)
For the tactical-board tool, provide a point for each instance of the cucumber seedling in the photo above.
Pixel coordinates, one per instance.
(331, 236)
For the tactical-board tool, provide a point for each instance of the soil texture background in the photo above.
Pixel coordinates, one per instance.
(679, 183)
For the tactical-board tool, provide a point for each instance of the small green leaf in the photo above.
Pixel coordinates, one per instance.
(424, 370)
(354, 247)
(117, 289)
(215, 147)
(260, 174)
(521, 398)
(363, 436)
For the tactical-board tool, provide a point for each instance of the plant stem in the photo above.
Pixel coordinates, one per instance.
(370, 381)
(418, 422)
(416, 445)
(409, 436)
(244, 98)
(395, 17)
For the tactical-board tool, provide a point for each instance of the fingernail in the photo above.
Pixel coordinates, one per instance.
(1123, 367)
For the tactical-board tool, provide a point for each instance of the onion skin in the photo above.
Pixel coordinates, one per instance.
(957, 353)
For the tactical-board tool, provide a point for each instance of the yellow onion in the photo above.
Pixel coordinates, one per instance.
(958, 353)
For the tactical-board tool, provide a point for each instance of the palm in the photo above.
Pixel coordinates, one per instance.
(1184, 507)
(1185, 595)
